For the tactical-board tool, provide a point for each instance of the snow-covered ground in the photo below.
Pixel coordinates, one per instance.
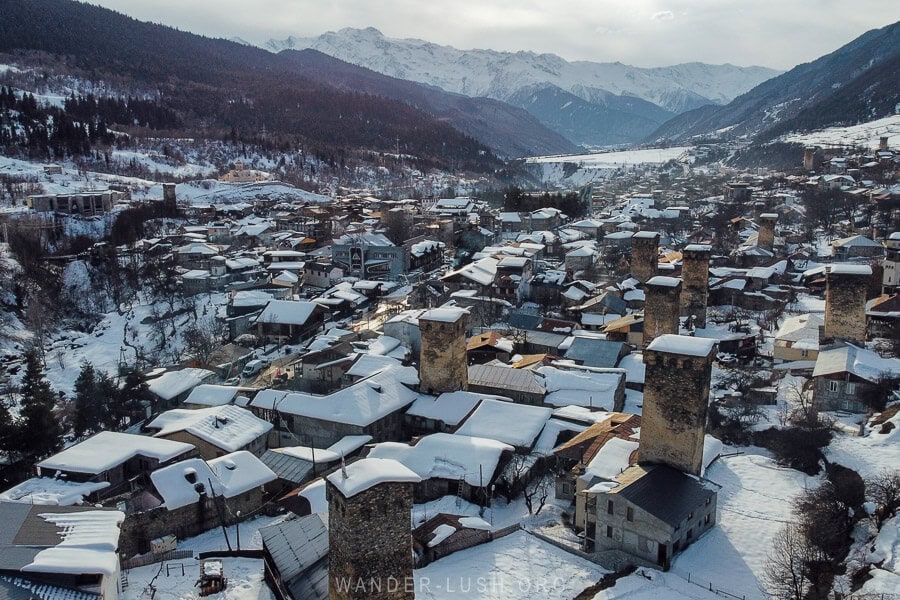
(647, 156)
(519, 565)
(755, 500)
(864, 134)
(647, 584)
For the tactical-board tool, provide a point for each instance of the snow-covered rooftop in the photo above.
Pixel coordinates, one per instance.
(449, 407)
(446, 456)
(849, 269)
(682, 344)
(448, 314)
(366, 473)
(108, 449)
(51, 491)
(663, 281)
(89, 543)
(287, 312)
(227, 427)
(173, 383)
(212, 395)
(493, 418)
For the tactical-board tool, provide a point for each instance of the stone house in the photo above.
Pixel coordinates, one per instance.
(843, 376)
(445, 534)
(373, 406)
(520, 385)
(649, 513)
(121, 460)
(214, 431)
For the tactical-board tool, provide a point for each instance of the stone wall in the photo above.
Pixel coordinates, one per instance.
(695, 274)
(370, 552)
(644, 256)
(662, 307)
(676, 397)
(845, 306)
(442, 361)
(138, 529)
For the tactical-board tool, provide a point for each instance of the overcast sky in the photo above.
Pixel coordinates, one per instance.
(645, 33)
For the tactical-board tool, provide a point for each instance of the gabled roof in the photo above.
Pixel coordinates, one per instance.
(664, 492)
(860, 362)
(504, 377)
(287, 312)
(227, 427)
(108, 449)
(298, 547)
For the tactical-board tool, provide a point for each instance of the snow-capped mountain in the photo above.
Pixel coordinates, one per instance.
(502, 74)
(506, 75)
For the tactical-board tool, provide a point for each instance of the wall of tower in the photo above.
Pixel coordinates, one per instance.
(845, 306)
(443, 366)
(662, 307)
(766, 237)
(370, 543)
(673, 423)
(809, 155)
(695, 290)
(644, 257)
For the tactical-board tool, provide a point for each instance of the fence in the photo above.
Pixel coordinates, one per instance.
(712, 587)
(149, 559)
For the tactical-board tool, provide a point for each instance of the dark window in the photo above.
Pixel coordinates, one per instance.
(708, 500)
(706, 520)
(629, 514)
(608, 531)
(690, 533)
(609, 507)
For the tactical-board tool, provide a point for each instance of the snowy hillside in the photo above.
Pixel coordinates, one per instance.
(501, 74)
(865, 135)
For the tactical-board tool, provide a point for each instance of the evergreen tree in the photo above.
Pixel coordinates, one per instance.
(131, 397)
(88, 402)
(39, 431)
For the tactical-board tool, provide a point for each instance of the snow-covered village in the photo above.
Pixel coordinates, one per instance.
(410, 351)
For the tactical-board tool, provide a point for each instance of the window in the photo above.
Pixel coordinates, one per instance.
(709, 501)
(832, 386)
(690, 534)
(850, 388)
(706, 520)
(690, 516)
(608, 531)
(609, 507)
(629, 514)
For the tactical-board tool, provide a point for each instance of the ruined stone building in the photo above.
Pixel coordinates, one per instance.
(845, 301)
(695, 275)
(662, 307)
(644, 255)
(370, 554)
(442, 360)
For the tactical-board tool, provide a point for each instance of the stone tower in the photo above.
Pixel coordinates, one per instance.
(662, 307)
(883, 143)
(442, 360)
(809, 155)
(766, 237)
(695, 275)
(644, 255)
(676, 396)
(845, 301)
(891, 265)
(370, 554)
(168, 193)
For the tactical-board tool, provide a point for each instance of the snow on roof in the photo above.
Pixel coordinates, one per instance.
(857, 241)
(800, 327)
(581, 387)
(287, 312)
(108, 449)
(633, 364)
(446, 456)
(369, 472)
(249, 298)
(360, 404)
(449, 407)
(315, 494)
(51, 491)
(174, 383)
(425, 246)
(492, 419)
(89, 543)
(177, 484)
(612, 458)
(663, 281)
(227, 427)
(848, 269)
(447, 314)
(682, 344)
(212, 395)
(441, 533)
(240, 472)
(333, 453)
(768, 216)
(646, 235)
(286, 277)
(369, 364)
(698, 248)
(863, 363)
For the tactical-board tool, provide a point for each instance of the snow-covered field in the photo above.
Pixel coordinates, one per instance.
(599, 160)
(864, 134)
(755, 500)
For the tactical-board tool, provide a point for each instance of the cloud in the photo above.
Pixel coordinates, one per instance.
(663, 15)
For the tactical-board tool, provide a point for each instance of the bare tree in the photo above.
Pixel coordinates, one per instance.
(884, 489)
(202, 339)
(786, 574)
